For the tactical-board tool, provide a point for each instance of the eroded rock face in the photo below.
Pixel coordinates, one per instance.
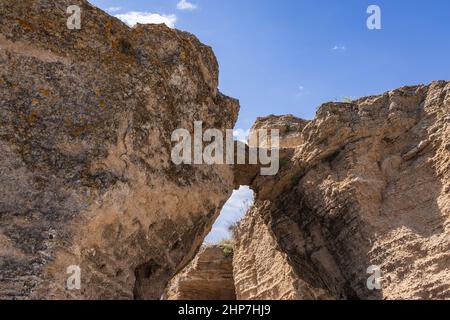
(86, 178)
(208, 277)
(288, 126)
(261, 270)
(368, 185)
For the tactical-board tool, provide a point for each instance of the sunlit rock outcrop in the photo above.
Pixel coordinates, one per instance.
(366, 190)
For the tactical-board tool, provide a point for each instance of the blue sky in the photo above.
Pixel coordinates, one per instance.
(290, 56)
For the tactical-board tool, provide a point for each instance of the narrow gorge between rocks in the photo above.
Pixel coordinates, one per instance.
(87, 178)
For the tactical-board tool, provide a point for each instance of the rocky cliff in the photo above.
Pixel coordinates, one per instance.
(86, 178)
(261, 269)
(288, 126)
(208, 277)
(365, 187)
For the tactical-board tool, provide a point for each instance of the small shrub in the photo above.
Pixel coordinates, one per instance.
(283, 162)
(227, 246)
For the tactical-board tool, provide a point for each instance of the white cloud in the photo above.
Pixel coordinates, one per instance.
(114, 9)
(134, 17)
(186, 5)
(340, 48)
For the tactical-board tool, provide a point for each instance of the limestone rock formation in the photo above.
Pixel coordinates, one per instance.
(289, 128)
(208, 277)
(86, 178)
(367, 187)
(261, 269)
(87, 181)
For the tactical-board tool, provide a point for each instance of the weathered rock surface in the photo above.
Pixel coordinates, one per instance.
(289, 128)
(368, 185)
(208, 277)
(86, 179)
(261, 270)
